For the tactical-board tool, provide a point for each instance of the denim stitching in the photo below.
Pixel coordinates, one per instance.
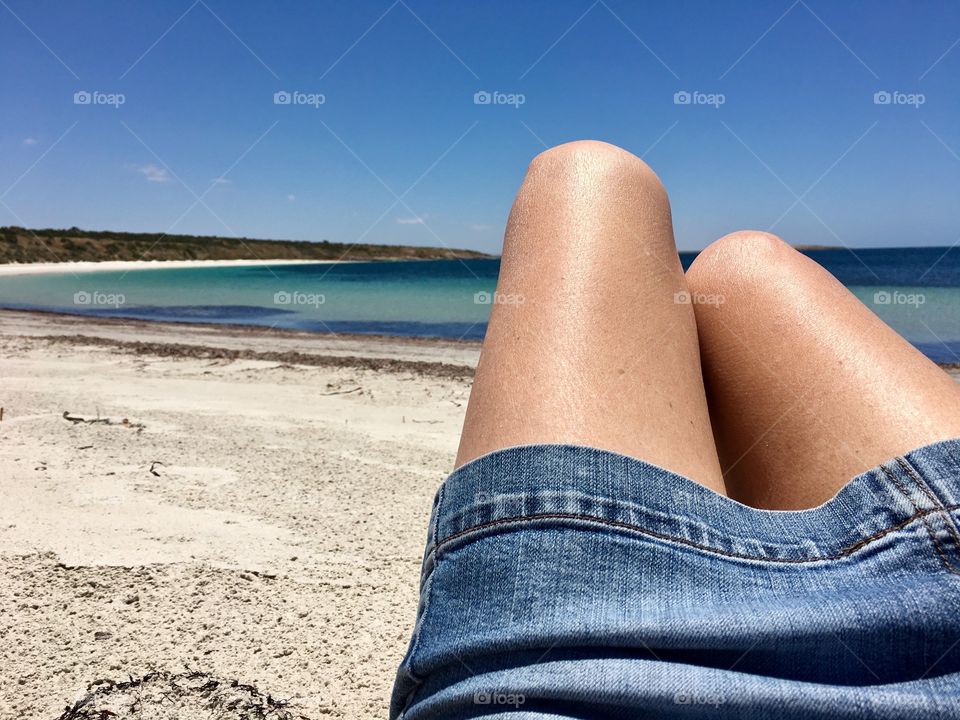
(520, 519)
(934, 498)
(408, 666)
(428, 592)
(930, 530)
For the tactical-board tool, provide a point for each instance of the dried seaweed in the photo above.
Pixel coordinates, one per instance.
(180, 350)
(166, 696)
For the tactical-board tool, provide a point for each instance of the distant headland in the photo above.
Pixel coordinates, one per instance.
(23, 245)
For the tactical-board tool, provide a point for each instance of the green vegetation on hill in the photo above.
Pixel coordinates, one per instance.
(22, 245)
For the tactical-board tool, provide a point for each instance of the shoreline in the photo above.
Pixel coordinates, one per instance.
(238, 328)
(433, 357)
(81, 325)
(85, 266)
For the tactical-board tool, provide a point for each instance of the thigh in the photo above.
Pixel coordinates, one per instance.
(591, 339)
(807, 387)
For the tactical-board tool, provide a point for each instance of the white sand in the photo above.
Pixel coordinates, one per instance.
(279, 543)
(63, 268)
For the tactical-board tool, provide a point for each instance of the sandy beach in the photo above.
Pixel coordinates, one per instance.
(250, 504)
(255, 508)
(75, 268)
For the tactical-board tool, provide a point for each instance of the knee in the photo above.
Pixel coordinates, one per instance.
(587, 153)
(586, 162)
(740, 260)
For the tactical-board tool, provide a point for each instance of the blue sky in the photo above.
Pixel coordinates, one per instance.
(782, 132)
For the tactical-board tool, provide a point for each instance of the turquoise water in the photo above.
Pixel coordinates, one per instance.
(916, 290)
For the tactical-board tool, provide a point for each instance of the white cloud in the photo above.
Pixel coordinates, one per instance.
(479, 228)
(291, 197)
(412, 220)
(154, 173)
(29, 141)
(221, 181)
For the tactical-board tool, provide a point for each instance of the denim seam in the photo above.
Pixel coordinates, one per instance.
(428, 594)
(846, 552)
(934, 498)
(933, 536)
(408, 669)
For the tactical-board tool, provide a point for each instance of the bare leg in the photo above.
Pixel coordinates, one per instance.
(807, 387)
(594, 349)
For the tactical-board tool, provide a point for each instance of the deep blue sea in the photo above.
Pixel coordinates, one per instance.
(916, 290)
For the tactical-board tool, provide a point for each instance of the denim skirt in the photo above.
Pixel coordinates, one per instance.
(563, 581)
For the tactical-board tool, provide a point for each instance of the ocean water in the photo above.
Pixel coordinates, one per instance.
(916, 290)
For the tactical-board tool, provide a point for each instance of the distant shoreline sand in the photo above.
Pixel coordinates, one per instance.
(253, 342)
(116, 265)
(428, 355)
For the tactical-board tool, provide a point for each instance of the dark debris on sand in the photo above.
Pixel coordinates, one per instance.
(165, 696)
(179, 350)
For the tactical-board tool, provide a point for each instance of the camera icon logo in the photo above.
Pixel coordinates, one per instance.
(82, 97)
(282, 97)
(882, 97)
(881, 297)
(81, 297)
(482, 698)
(482, 97)
(682, 297)
(282, 297)
(482, 298)
(681, 97)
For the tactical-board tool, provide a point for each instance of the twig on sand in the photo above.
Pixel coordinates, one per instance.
(343, 392)
(75, 419)
(153, 465)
